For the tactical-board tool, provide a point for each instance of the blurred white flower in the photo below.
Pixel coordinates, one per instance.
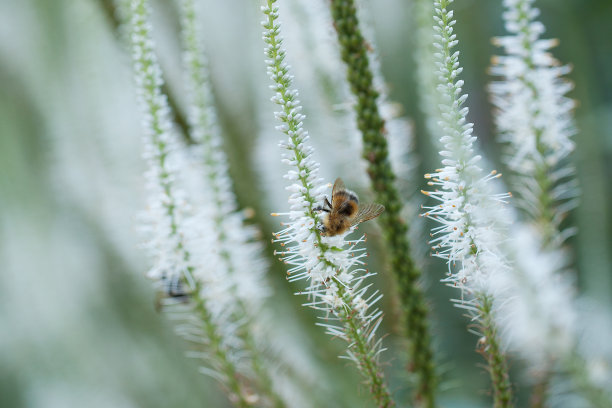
(534, 119)
(207, 286)
(537, 313)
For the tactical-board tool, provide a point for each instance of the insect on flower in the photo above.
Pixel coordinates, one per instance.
(344, 211)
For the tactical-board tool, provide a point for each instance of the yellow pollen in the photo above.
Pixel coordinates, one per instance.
(274, 214)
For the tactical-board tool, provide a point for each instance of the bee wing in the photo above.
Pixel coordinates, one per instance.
(338, 186)
(367, 212)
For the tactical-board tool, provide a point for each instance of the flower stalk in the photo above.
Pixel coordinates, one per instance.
(354, 53)
(490, 347)
(534, 120)
(468, 237)
(332, 266)
(177, 230)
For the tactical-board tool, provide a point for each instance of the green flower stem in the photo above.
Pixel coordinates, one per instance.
(235, 389)
(489, 347)
(365, 355)
(577, 368)
(369, 121)
(356, 331)
(539, 392)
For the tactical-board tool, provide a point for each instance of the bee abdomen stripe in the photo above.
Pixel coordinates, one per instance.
(351, 196)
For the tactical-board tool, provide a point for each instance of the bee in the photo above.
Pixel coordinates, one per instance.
(172, 290)
(344, 211)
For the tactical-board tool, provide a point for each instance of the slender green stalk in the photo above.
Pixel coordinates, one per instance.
(539, 393)
(236, 393)
(596, 395)
(354, 51)
(489, 347)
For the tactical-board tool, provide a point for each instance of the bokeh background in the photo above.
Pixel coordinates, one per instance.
(78, 325)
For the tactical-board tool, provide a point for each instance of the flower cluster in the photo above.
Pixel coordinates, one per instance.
(534, 119)
(537, 316)
(332, 266)
(468, 234)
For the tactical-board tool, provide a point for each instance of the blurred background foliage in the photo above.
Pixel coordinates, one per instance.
(77, 319)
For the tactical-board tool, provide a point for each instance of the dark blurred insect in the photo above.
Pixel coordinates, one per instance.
(172, 292)
(344, 211)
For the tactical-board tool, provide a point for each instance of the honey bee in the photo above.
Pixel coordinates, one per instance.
(344, 211)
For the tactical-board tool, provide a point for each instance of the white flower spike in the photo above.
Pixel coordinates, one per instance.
(332, 266)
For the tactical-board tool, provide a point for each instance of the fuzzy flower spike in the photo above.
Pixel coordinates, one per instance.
(534, 119)
(199, 294)
(468, 234)
(332, 266)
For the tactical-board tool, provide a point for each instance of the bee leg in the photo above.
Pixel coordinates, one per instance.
(319, 209)
(325, 207)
